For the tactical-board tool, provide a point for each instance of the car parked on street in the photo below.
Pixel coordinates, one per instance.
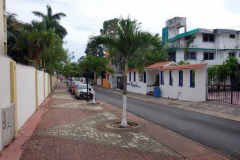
(81, 91)
(75, 86)
(71, 85)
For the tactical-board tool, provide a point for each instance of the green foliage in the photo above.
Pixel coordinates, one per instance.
(51, 21)
(187, 45)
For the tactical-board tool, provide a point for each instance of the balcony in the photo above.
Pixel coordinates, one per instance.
(181, 44)
(5, 35)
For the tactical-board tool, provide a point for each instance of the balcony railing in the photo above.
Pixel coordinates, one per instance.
(5, 35)
(181, 43)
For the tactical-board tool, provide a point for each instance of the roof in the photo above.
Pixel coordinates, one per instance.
(184, 34)
(188, 66)
(132, 69)
(158, 65)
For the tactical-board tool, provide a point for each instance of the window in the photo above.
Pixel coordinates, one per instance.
(170, 78)
(208, 56)
(192, 78)
(208, 37)
(239, 55)
(134, 76)
(108, 78)
(191, 55)
(187, 37)
(144, 77)
(172, 56)
(103, 76)
(181, 78)
(232, 54)
(162, 77)
(129, 76)
(232, 36)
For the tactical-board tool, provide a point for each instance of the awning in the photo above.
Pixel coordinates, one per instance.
(185, 34)
(106, 73)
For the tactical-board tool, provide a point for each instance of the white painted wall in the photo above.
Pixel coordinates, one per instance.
(40, 87)
(131, 85)
(46, 85)
(5, 88)
(185, 92)
(26, 93)
(49, 84)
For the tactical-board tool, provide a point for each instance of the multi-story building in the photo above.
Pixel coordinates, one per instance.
(210, 46)
(3, 28)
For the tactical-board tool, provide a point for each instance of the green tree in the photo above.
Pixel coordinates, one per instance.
(51, 21)
(128, 40)
(96, 65)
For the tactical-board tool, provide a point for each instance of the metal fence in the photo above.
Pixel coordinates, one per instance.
(224, 85)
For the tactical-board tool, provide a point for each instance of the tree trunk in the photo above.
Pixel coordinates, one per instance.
(124, 118)
(94, 83)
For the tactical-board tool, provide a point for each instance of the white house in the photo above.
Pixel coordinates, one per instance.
(184, 82)
(210, 46)
(146, 82)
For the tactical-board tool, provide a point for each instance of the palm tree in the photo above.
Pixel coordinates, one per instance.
(52, 21)
(128, 40)
(37, 39)
(96, 65)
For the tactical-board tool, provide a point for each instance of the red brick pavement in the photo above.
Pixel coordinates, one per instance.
(62, 149)
(58, 116)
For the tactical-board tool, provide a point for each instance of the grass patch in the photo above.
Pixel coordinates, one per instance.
(94, 104)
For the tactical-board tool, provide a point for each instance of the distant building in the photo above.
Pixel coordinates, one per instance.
(211, 46)
(3, 28)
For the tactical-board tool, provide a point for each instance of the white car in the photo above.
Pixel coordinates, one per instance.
(82, 89)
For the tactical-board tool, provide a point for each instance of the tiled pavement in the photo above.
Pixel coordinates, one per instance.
(73, 129)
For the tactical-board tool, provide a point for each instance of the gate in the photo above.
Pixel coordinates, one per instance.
(120, 83)
(224, 85)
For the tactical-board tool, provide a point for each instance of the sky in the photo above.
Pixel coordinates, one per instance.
(86, 17)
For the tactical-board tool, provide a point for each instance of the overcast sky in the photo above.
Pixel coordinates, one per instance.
(86, 17)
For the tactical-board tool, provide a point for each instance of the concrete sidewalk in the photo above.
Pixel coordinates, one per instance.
(222, 110)
(74, 129)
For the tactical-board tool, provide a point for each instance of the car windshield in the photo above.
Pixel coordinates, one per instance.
(82, 86)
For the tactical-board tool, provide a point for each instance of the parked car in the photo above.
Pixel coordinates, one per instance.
(81, 91)
(74, 86)
(70, 86)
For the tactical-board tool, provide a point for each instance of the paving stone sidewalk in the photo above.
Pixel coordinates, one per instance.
(72, 129)
(222, 110)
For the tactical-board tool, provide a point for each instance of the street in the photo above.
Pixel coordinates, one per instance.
(217, 133)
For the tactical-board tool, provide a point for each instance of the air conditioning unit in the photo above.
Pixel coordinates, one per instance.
(8, 124)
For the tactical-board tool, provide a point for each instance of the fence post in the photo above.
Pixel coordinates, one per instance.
(13, 79)
(36, 86)
(44, 84)
(48, 84)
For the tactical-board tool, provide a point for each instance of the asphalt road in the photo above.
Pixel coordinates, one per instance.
(217, 133)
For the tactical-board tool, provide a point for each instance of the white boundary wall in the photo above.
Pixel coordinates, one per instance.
(185, 92)
(137, 86)
(5, 88)
(46, 85)
(26, 93)
(99, 81)
(40, 87)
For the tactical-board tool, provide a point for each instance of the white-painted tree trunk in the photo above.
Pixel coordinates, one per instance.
(93, 101)
(124, 117)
